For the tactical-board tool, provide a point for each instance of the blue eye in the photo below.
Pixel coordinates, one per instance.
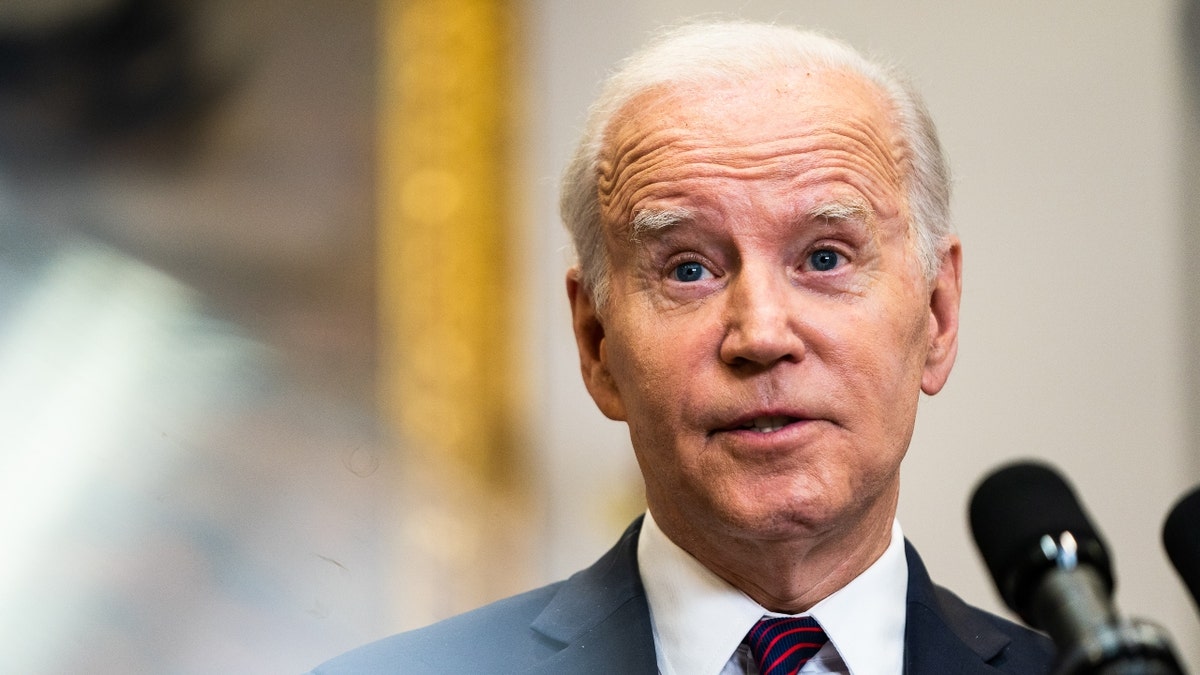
(689, 271)
(824, 260)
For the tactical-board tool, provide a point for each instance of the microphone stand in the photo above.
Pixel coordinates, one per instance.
(1071, 604)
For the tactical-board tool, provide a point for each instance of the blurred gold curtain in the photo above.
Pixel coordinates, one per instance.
(448, 384)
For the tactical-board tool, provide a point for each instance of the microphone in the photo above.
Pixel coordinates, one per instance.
(1181, 538)
(1053, 569)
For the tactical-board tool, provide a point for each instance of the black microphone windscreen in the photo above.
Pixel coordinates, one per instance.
(1181, 538)
(1012, 509)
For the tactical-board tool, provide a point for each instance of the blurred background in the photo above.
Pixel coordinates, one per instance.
(285, 358)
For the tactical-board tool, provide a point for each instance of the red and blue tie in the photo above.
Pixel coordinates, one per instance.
(781, 646)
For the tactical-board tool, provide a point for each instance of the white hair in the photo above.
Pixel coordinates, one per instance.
(698, 55)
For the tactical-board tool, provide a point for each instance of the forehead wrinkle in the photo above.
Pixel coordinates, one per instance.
(646, 143)
(756, 159)
(881, 144)
(870, 153)
(623, 155)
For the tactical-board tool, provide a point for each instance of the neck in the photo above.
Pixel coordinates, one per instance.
(789, 575)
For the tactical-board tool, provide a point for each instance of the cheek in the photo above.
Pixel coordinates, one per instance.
(883, 356)
(658, 364)
(640, 364)
(653, 396)
(903, 327)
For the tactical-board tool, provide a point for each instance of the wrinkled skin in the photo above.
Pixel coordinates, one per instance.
(763, 275)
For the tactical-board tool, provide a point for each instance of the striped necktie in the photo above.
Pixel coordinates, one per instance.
(782, 646)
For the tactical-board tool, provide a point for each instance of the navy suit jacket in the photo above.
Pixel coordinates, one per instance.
(598, 621)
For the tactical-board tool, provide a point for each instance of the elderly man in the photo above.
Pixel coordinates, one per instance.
(767, 280)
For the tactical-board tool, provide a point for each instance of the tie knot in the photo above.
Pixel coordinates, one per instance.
(782, 646)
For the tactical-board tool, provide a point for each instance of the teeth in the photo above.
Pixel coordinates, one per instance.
(766, 425)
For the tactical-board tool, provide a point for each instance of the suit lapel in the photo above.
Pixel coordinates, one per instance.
(941, 634)
(600, 617)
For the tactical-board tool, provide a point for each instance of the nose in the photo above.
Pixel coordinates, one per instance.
(762, 319)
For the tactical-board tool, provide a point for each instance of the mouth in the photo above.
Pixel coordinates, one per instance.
(762, 424)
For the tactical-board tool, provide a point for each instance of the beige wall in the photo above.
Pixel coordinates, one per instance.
(1064, 123)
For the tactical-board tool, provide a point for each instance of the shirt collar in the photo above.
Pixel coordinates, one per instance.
(865, 618)
(699, 619)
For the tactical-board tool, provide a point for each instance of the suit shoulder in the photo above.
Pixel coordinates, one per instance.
(593, 622)
(1027, 651)
(945, 634)
(485, 638)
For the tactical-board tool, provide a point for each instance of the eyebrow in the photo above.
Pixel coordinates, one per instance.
(849, 209)
(648, 221)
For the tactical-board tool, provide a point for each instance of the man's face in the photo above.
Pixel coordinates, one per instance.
(769, 329)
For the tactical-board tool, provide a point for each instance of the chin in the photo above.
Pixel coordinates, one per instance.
(785, 518)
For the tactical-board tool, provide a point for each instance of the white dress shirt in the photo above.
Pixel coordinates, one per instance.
(700, 620)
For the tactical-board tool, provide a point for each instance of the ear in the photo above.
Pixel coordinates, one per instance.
(943, 320)
(593, 352)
